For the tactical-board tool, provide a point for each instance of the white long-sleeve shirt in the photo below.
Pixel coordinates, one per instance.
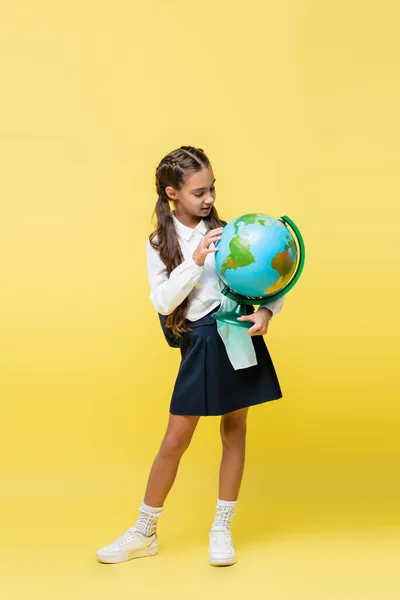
(201, 284)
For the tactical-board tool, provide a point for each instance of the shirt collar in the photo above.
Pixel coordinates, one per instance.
(187, 232)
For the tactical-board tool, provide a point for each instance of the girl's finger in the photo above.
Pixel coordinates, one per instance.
(209, 242)
(254, 330)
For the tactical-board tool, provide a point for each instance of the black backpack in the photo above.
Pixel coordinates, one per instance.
(171, 338)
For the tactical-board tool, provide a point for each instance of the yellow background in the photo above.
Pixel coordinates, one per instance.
(296, 104)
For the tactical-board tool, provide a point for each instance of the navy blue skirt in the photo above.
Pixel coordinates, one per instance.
(207, 384)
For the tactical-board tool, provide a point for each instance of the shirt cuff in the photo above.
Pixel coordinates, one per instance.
(193, 264)
(269, 308)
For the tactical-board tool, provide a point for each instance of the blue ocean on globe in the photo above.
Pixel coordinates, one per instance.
(257, 255)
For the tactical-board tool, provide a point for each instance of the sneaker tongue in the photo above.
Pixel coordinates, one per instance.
(134, 530)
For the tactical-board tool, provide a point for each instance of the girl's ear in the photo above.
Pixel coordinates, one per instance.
(171, 193)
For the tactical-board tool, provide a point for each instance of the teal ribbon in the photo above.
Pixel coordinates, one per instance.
(237, 341)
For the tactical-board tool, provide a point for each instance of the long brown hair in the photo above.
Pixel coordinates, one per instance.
(173, 171)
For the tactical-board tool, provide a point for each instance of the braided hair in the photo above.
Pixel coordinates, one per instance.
(172, 171)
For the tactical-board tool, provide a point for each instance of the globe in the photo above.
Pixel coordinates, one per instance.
(258, 256)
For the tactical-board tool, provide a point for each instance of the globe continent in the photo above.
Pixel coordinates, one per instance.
(257, 255)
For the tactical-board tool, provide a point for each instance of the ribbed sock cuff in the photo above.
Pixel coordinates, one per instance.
(226, 502)
(151, 509)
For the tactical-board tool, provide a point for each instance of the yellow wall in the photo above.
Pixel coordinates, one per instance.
(296, 104)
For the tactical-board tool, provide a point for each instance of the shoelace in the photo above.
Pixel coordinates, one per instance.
(129, 535)
(221, 538)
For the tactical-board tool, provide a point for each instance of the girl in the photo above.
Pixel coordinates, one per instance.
(186, 291)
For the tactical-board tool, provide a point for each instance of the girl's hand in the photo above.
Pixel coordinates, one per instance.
(260, 318)
(200, 254)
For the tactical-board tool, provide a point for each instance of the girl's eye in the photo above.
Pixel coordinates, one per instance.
(201, 193)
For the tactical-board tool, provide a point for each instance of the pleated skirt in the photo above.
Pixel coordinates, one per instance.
(208, 385)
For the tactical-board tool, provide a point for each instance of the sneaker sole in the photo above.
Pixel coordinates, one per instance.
(222, 562)
(127, 556)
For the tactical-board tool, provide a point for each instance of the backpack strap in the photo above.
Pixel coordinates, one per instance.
(169, 335)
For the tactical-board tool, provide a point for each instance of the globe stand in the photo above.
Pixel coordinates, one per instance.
(240, 310)
(231, 317)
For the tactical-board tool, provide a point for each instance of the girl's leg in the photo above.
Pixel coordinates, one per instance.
(233, 436)
(165, 466)
(141, 539)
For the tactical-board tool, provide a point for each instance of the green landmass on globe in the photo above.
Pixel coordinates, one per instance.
(240, 254)
(250, 220)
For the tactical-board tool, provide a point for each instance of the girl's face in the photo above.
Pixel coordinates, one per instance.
(196, 196)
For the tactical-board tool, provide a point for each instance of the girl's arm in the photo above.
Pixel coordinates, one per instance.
(275, 306)
(166, 293)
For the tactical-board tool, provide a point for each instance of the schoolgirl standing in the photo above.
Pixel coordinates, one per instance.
(185, 290)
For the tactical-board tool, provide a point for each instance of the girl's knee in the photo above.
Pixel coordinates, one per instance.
(174, 445)
(233, 428)
(179, 434)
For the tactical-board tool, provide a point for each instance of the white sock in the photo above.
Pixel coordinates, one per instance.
(147, 520)
(224, 513)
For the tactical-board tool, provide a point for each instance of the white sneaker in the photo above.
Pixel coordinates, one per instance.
(221, 551)
(131, 544)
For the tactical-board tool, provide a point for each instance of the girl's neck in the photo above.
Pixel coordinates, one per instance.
(188, 220)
